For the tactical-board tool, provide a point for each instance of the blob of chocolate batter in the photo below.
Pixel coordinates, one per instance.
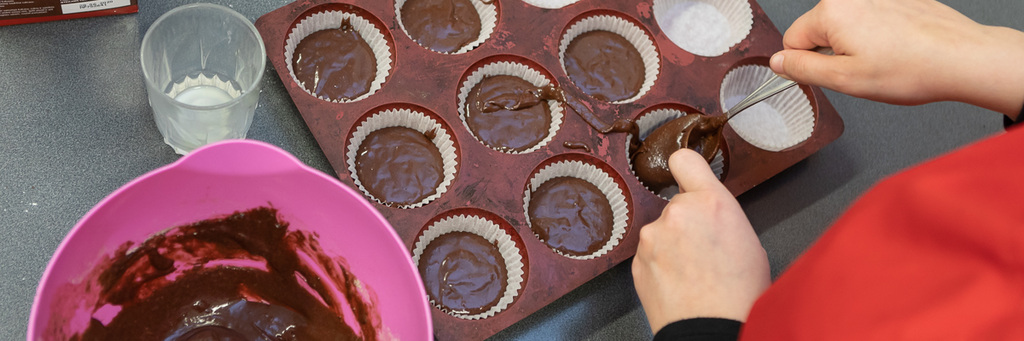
(336, 64)
(463, 273)
(399, 165)
(605, 66)
(571, 215)
(441, 25)
(240, 277)
(695, 131)
(508, 113)
(531, 96)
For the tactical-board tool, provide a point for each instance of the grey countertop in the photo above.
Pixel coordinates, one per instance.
(75, 126)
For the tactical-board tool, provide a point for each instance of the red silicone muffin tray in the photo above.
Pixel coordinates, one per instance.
(490, 183)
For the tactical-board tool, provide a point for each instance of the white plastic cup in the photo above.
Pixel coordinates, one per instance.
(203, 65)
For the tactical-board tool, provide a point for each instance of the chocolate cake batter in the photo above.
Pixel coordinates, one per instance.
(399, 165)
(695, 131)
(508, 113)
(336, 64)
(463, 273)
(441, 25)
(168, 287)
(571, 215)
(605, 66)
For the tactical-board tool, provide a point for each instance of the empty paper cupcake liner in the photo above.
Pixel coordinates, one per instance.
(779, 122)
(706, 28)
(550, 4)
(633, 33)
(520, 70)
(332, 20)
(488, 12)
(410, 119)
(599, 178)
(494, 234)
(650, 121)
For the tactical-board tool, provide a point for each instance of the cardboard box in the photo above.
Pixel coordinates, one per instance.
(13, 12)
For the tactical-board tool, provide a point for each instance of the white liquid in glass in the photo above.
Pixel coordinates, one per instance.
(193, 128)
(204, 96)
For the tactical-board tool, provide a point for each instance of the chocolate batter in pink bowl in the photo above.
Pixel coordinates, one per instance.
(335, 228)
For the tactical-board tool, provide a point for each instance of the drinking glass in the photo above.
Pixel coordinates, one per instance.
(203, 64)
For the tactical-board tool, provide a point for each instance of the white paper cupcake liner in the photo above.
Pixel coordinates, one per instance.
(488, 21)
(636, 36)
(493, 233)
(413, 120)
(550, 4)
(511, 69)
(706, 28)
(651, 121)
(595, 176)
(332, 20)
(779, 122)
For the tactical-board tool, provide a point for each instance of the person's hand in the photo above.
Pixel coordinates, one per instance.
(701, 258)
(905, 52)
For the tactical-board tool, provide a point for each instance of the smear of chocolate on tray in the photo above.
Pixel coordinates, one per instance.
(576, 145)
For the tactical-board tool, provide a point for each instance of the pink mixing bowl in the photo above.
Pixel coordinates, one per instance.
(230, 176)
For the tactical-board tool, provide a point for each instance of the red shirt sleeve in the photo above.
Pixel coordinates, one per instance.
(933, 253)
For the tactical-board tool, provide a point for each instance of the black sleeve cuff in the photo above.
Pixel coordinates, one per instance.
(1007, 122)
(700, 329)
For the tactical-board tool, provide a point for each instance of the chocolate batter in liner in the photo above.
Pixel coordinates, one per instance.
(647, 123)
(447, 26)
(407, 168)
(567, 225)
(472, 268)
(605, 76)
(359, 85)
(508, 104)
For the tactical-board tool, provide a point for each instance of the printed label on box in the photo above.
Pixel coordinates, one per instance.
(28, 11)
(13, 9)
(96, 5)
